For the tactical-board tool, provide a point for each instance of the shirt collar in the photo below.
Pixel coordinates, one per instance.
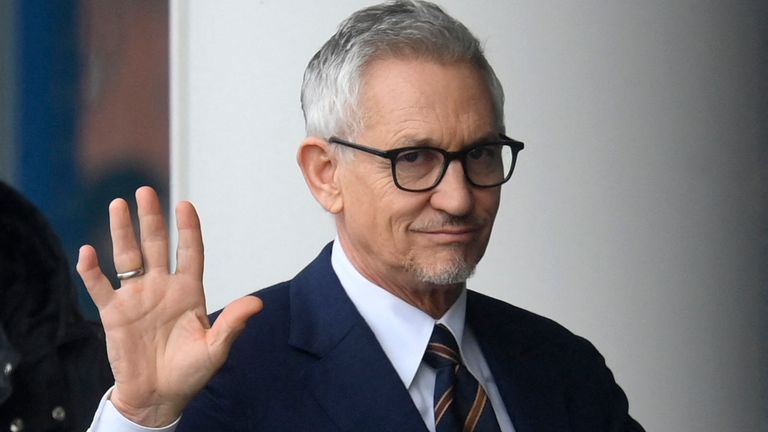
(402, 330)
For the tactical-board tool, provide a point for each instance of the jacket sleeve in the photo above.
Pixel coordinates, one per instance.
(596, 402)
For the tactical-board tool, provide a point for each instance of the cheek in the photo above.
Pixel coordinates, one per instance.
(393, 213)
(488, 202)
(361, 185)
(369, 200)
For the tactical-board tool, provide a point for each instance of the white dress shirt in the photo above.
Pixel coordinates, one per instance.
(403, 331)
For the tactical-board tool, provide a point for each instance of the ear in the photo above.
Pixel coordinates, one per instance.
(320, 168)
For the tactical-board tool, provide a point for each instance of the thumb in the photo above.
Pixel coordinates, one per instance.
(230, 323)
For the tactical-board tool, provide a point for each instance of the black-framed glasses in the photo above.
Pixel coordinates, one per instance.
(419, 169)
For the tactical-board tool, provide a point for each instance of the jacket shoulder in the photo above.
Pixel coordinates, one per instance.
(487, 313)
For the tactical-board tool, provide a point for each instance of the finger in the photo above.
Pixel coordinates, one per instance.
(230, 324)
(190, 253)
(125, 250)
(96, 283)
(154, 235)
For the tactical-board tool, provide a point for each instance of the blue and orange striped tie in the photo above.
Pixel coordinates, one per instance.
(461, 404)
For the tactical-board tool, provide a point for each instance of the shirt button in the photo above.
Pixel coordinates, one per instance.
(59, 414)
(17, 425)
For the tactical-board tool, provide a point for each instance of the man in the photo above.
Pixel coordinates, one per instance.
(406, 149)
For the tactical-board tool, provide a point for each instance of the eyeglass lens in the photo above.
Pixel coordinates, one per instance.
(485, 165)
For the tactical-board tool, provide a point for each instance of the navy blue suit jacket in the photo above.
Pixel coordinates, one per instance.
(309, 362)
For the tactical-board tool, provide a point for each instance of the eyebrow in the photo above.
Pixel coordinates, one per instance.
(429, 142)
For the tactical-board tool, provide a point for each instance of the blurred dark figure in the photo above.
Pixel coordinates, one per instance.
(53, 363)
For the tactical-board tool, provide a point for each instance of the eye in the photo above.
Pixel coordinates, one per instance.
(419, 157)
(483, 153)
(412, 156)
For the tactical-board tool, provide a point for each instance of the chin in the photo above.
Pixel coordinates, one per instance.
(449, 270)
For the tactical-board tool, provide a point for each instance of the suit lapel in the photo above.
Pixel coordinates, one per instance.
(521, 362)
(352, 379)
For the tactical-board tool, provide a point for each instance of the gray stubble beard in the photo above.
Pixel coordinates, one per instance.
(457, 270)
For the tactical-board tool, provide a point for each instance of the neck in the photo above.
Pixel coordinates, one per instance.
(434, 301)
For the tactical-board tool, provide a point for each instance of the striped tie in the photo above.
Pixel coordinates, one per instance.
(460, 401)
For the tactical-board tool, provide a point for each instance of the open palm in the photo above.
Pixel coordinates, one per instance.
(161, 346)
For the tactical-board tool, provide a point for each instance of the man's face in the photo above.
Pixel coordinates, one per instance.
(407, 241)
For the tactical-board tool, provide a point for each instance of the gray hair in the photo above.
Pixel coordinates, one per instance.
(400, 29)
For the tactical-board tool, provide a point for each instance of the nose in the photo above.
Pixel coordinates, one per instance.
(454, 194)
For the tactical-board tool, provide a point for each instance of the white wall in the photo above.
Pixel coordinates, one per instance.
(637, 217)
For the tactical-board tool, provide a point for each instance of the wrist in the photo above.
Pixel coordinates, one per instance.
(146, 415)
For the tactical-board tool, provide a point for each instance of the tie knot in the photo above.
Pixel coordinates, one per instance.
(442, 350)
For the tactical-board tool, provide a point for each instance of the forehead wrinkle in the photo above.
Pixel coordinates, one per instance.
(412, 133)
(416, 118)
(465, 134)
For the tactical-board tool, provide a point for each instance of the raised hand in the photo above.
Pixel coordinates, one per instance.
(161, 346)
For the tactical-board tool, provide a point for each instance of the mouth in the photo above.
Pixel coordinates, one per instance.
(452, 234)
